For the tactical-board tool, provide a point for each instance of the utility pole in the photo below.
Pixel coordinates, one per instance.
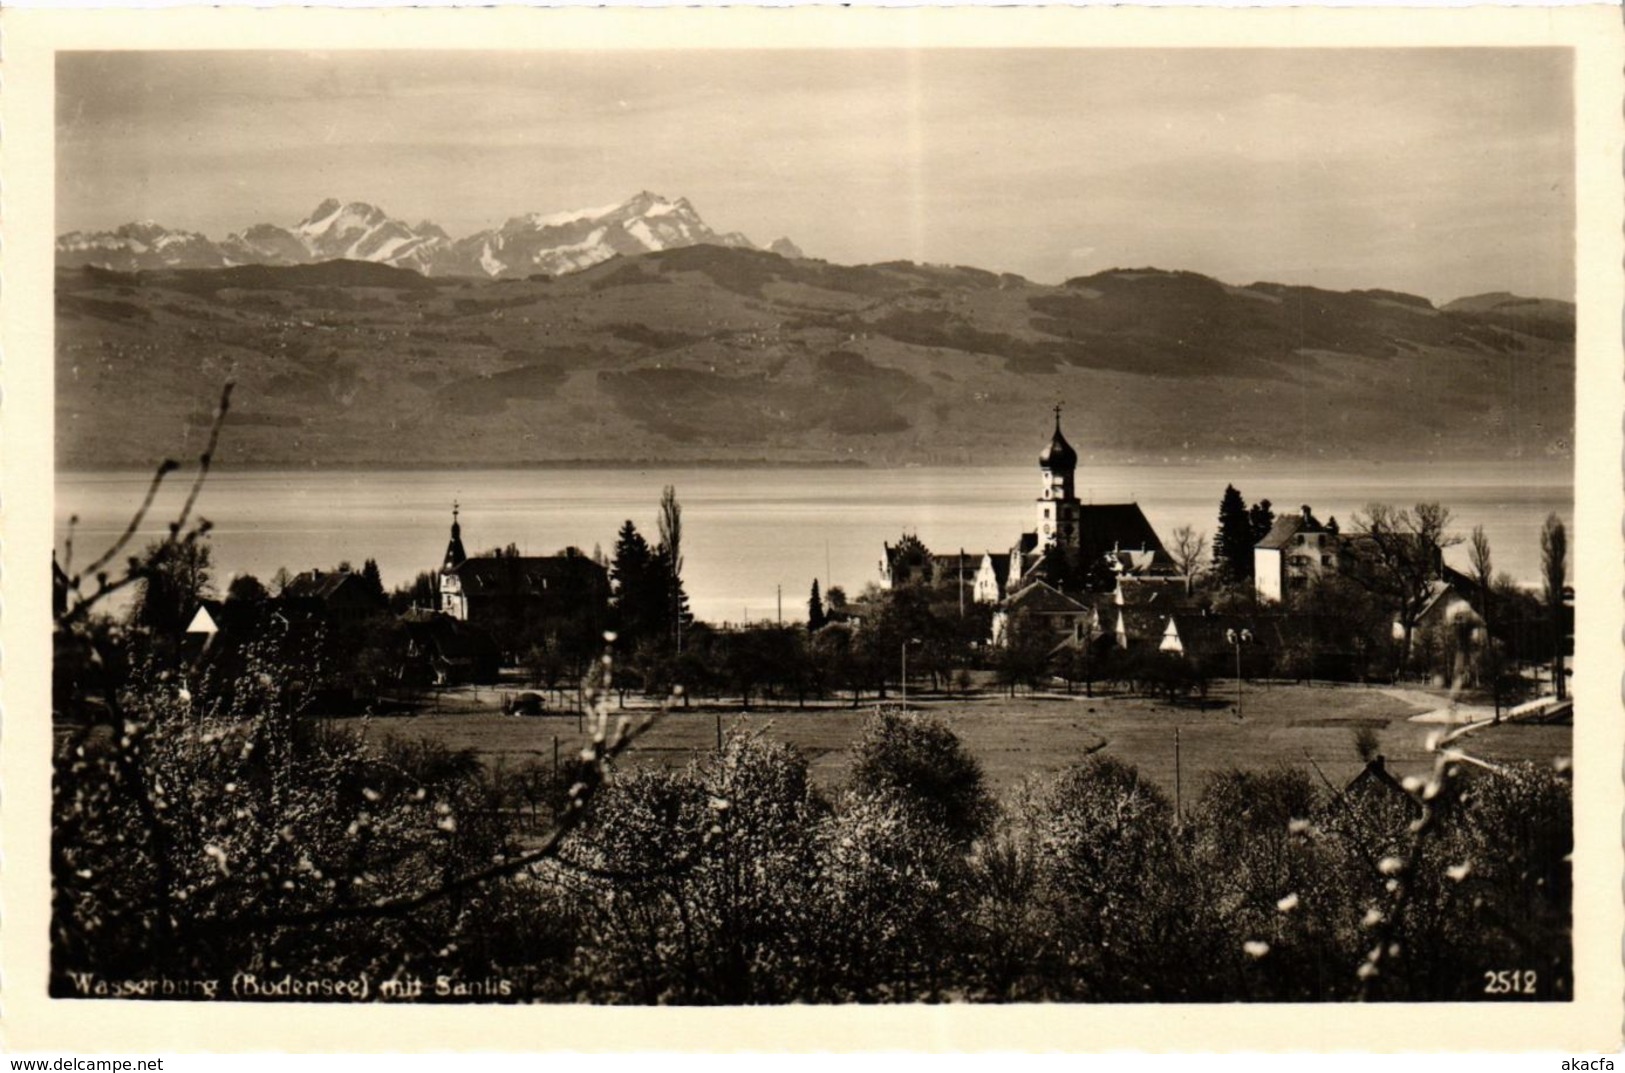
(1178, 810)
(779, 592)
(903, 682)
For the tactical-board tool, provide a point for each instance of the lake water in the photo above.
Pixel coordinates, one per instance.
(749, 531)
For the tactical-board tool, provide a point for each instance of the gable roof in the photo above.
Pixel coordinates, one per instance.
(1140, 623)
(1151, 590)
(453, 640)
(1281, 533)
(1117, 526)
(320, 584)
(1042, 598)
(965, 564)
(1201, 634)
(204, 620)
(530, 575)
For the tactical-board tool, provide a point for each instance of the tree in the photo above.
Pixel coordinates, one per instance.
(422, 592)
(1483, 571)
(175, 575)
(910, 562)
(631, 572)
(374, 579)
(815, 610)
(921, 762)
(1233, 544)
(1400, 554)
(1024, 657)
(1260, 519)
(836, 598)
(1554, 553)
(246, 588)
(1188, 548)
(670, 524)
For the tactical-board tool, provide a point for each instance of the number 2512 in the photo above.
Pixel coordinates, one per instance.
(1510, 982)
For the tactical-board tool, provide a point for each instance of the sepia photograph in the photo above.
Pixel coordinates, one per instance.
(815, 525)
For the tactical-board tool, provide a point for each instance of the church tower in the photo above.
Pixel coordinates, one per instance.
(1059, 511)
(453, 601)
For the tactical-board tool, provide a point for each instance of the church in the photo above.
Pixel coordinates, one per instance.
(1074, 547)
(513, 595)
(1074, 555)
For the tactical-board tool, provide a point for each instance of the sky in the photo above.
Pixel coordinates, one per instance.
(1437, 172)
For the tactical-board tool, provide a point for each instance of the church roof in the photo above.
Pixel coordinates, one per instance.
(526, 574)
(1059, 454)
(1121, 526)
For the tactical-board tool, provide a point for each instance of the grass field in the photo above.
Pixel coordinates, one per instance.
(1299, 726)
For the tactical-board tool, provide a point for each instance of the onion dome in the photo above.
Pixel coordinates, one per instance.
(1059, 455)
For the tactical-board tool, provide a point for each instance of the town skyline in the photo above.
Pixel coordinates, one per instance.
(1334, 168)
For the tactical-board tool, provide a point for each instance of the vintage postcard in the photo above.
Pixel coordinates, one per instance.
(808, 528)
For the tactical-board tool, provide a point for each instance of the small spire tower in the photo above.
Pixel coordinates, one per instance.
(455, 555)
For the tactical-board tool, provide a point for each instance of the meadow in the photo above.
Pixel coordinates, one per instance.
(1292, 725)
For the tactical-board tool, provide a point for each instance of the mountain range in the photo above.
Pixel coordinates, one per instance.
(536, 243)
(716, 353)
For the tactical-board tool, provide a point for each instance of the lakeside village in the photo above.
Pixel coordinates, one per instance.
(1099, 767)
(1090, 599)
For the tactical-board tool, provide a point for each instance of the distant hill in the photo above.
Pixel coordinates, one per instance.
(546, 243)
(727, 354)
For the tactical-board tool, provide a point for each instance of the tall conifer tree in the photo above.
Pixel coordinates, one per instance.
(1233, 543)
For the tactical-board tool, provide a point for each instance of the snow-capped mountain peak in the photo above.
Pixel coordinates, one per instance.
(553, 243)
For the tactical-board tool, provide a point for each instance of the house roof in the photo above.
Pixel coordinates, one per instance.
(450, 639)
(1141, 623)
(964, 563)
(527, 574)
(1151, 591)
(205, 619)
(1205, 633)
(1281, 533)
(1041, 598)
(320, 584)
(1000, 562)
(1287, 526)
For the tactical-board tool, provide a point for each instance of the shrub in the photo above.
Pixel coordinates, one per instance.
(701, 880)
(919, 762)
